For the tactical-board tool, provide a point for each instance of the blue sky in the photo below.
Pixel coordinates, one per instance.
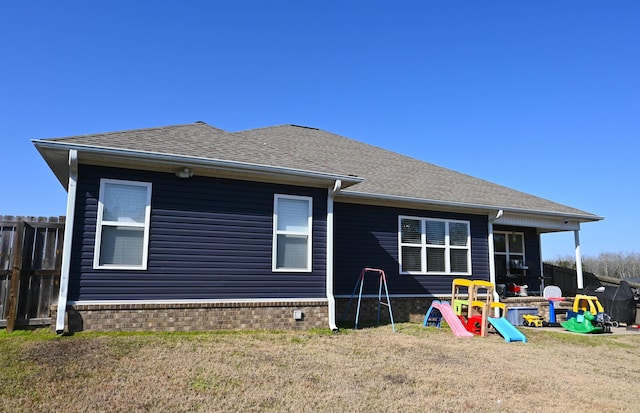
(543, 97)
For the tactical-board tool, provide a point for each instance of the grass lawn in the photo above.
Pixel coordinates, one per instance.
(369, 370)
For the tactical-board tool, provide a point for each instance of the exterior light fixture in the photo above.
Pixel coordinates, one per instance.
(184, 173)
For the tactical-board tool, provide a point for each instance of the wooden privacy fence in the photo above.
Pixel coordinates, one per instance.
(30, 261)
(566, 279)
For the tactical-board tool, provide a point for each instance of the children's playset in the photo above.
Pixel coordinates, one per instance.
(473, 311)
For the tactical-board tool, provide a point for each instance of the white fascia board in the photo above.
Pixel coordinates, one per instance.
(471, 208)
(541, 222)
(194, 161)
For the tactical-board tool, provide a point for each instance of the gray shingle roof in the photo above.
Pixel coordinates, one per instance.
(385, 173)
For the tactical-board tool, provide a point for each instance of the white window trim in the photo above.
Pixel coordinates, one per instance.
(276, 232)
(101, 223)
(423, 246)
(508, 254)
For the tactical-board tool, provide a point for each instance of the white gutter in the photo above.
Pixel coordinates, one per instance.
(492, 264)
(330, 237)
(68, 233)
(181, 160)
(452, 204)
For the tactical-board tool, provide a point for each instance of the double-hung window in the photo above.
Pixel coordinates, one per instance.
(434, 246)
(122, 233)
(292, 223)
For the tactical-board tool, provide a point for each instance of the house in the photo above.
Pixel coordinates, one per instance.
(192, 227)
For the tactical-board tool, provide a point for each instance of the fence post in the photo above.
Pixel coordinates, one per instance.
(15, 276)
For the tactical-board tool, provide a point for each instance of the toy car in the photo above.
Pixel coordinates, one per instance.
(588, 316)
(532, 320)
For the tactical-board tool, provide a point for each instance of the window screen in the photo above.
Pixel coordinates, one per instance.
(122, 232)
(292, 233)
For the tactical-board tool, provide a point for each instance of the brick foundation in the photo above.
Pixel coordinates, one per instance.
(405, 309)
(196, 316)
(254, 316)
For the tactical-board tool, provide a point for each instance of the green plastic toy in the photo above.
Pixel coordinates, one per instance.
(582, 323)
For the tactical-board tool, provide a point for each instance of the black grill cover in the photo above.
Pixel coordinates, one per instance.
(619, 303)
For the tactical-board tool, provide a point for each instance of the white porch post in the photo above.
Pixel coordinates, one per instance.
(492, 264)
(542, 285)
(576, 235)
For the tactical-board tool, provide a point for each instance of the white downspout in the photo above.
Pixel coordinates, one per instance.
(68, 233)
(331, 301)
(492, 264)
(576, 236)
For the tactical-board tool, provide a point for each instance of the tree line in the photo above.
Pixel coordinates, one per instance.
(610, 264)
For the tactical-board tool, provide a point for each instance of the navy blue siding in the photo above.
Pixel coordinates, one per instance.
(366, 236)
(210, 238)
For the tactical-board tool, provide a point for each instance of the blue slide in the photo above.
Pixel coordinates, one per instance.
(507, 330)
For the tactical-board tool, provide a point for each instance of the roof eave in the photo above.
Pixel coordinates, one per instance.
(48, 149)
(364, 197)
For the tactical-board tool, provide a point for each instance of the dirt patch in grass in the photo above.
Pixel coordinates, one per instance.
(372, 369)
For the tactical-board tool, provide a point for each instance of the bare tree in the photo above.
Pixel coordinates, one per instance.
(610, 264)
